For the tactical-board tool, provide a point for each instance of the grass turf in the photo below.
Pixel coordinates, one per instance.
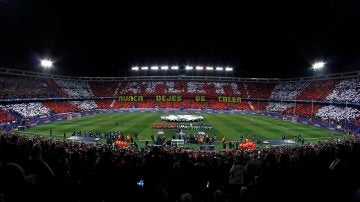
(230, 126)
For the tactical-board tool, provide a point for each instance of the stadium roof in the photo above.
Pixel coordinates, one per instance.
(260, 39)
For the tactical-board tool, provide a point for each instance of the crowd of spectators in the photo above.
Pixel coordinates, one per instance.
(34, 109)
(76, 89)
(23, 87)
(288, 90)
(195, 87)
(103, 88)
(337, 113)
(186, 88)
(317, 90)
(304, 110)
(219, 87)
(153, 87)
(104, 104)
(260, 105)
(174, 87)
(259, 90)
(85, 105)
(5, 116)
(37, 169)
(278, 106)
(28, 110)
(58, 107)
(53, 85)
(346, 91)
(130, 88)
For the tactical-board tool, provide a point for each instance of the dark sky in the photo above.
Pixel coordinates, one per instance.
(259, 39)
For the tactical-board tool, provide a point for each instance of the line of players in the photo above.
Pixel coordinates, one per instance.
(182, 126)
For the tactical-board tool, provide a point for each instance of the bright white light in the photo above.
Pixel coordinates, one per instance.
(199, 68)
(46, 63)
(135, 68)
(154, 68)
(219, 68)
(189, 68)
(144, 68)
(164, 67)
(318, 65)
(209, 68)
(228, 69)
(175, 67)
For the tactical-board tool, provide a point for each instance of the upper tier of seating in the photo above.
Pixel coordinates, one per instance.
(346, 90)
(274, 95)
(25, 87)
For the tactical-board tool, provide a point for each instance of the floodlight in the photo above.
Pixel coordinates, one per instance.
(189, 67)
(46, 63)
(135, 68)
(199, 68)
(219, 68)
(318, 65)
(174, 67)
(209, 68)
(228, 69)
(164, 67)
(154, 68)
(144, 68)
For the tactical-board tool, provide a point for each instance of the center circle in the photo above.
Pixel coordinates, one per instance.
(182, 118)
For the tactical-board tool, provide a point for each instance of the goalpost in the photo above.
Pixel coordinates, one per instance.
(71, 116)
(290, 118)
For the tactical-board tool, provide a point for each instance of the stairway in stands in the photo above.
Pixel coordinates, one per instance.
(116, 91)
(247, 95)
(57, 88)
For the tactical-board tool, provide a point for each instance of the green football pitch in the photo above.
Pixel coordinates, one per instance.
(230, 126)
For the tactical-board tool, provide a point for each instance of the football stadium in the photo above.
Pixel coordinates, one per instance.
(101, 102)
(158, 112)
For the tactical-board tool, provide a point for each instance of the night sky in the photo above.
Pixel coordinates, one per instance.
(258, 39)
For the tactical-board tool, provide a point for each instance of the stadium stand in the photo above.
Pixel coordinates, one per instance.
(85, 105)
(259, 90)
(57, 88)
(104, 104)
(118, 105)
(23, 87)
(346, 91)
(260, 105)
(38, 167)
(76, 89)
(61, 107)
(195, 87)
(338, 113)
(5, 116)
(288, 90)
(28, 110)
(151, 88)
(304, 110)
(255, 95)
(318, 90)
(151, 104)
(130, 88)
(278, 106)
(103, 89)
